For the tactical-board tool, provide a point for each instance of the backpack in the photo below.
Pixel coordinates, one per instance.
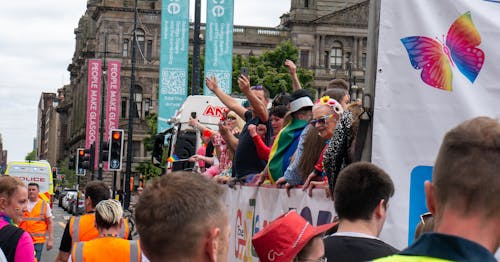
(9, 237)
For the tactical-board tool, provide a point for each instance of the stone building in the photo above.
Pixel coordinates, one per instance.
(48, 125)
(331, 36)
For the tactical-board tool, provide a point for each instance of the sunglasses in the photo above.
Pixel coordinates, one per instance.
(425, 217)
(230, 118)
(258, 87)
(321, 120)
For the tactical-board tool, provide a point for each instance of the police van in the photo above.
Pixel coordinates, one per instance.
(38, 172)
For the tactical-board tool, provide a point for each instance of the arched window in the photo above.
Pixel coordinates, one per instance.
(336, 54)
(125, 48)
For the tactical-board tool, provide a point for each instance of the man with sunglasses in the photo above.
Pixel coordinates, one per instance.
(245, 161)
(462, 197)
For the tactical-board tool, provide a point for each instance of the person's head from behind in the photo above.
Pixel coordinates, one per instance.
(339, 94)
(300, 105)
(326, 114)
(338, 83)
(362, 193)
(13, 197)
(290, 238)
(182, 217)
(108, 214)
(95, 192)
(33, 191)
(466, 178)
(277, 117)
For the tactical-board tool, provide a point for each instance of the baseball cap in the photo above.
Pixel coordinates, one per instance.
(285, 237)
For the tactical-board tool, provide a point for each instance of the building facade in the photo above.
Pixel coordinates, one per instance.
(48, 129)
(331, 36)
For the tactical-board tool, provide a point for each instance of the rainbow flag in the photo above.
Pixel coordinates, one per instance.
(173, 158)
(284, 147)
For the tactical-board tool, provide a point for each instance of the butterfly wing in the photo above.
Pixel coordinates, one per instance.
(427, 54)
(462, 40)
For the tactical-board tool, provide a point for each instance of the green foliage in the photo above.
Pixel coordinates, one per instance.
(31, 156)
(270, 71)
(147, 169)
(69, 174)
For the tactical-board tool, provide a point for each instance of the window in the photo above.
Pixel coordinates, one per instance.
(149, 50)
(124, 107)
(304, 58)
(336, 56)
(306, 3)
(138, 101)
(363, 60)
(147, 106)
(125, 48)
(139, 54)
(136, 149)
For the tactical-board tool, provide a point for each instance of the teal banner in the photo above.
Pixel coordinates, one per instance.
(173, 59)
(219, 43)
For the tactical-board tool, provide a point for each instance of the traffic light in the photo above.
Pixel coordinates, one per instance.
(105, 151)
(115, 150)
(71, 162)
(89, 158)
(80, 159)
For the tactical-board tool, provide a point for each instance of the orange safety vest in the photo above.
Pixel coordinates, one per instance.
(82, 228)
(34, 222)
(106, 249)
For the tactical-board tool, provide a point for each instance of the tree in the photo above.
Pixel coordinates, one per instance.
(146, 168)
(31, 156)
(269, 70)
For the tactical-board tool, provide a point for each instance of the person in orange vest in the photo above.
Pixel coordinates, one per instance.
(109, 246)
(37, 220)
(82, 228)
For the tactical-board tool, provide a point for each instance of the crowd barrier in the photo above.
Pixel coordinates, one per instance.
(252, 208)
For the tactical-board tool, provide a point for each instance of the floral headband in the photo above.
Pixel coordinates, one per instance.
(326, 100)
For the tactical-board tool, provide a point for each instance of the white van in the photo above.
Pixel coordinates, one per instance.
(38, 172)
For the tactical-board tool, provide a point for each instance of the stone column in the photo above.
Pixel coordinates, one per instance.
(322, 51)
(354, 53)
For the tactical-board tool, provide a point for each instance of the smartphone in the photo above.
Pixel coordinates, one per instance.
(244, 71)
(193, 115)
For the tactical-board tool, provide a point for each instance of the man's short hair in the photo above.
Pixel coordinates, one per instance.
(338, 83)
(34, 184)
(175, 212)
(359, 189)
(466, 172)
(96, 191)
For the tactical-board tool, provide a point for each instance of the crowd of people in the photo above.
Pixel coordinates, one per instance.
(298, 141)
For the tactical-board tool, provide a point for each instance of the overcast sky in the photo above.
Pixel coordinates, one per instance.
(37, 44)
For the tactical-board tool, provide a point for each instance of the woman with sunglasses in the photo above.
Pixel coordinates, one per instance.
(326, 114)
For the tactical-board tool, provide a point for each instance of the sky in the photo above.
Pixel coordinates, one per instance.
(36, 46)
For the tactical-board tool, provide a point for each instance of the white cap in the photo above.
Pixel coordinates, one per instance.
(299, 103)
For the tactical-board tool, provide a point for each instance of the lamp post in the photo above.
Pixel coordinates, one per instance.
(128, 168)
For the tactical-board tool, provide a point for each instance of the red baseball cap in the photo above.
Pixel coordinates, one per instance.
(285, 237)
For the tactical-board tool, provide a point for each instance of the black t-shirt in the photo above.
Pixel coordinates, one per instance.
(245, 161)
(347, 248)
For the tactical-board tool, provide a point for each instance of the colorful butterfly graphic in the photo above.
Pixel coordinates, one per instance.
(434, 57)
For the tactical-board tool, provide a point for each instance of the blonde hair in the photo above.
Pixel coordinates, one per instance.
(108, 213)
(9, 185)
(240, 123)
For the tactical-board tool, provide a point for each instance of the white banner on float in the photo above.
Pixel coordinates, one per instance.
(252, 208)
(419, 97)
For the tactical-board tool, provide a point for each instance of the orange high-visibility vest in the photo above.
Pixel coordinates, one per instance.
(106, 249)
(34, 222)
(82, 228)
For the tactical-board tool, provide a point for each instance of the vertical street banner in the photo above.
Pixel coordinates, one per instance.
(219, 44)
(437, 67)
(93, 104)
(112, 99)
(173, 59)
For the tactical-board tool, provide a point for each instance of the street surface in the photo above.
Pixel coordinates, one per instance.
(61, 217)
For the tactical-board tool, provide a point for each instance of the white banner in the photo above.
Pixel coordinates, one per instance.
(437, 66)
(252, 208)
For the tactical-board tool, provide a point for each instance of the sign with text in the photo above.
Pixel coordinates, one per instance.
(112, 99)
(93, 104)
(173, 59)
(219, 43)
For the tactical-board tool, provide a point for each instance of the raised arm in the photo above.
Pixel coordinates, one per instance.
(259, 107)
(293, 73)
(226, 99)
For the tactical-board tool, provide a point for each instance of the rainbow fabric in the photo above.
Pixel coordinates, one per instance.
(173, 158)
(284, 147)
